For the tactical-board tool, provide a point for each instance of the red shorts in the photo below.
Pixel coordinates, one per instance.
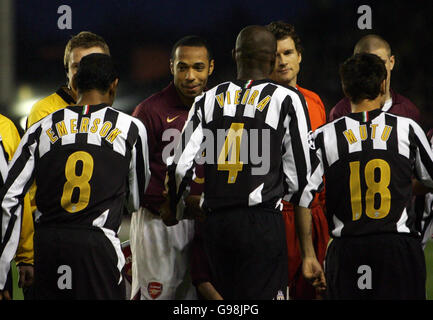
(299, 288)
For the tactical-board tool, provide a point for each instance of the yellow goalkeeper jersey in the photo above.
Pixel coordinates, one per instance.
(10, 140)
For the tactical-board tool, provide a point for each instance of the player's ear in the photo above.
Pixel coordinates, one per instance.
(234, 54)
(211, 66)
(113, 86)
(391, 62)
(299, 57)
(172, 66)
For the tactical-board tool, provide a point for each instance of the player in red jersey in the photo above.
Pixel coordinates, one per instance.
(160, 254)
(395, 103)
(287, 65)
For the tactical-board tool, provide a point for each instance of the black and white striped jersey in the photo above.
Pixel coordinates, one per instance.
(252, 138)
(427, 207)
(368, 160)
(88, 163)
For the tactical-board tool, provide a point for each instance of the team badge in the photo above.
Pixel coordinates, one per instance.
(311, 143)
(154, 289)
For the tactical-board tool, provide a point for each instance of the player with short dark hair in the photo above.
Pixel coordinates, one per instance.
(160, 255)
(244, 232)
(192, 41)
(87, 161)
(287, 66)
(395, 103)
(368, 158)
(78, 46)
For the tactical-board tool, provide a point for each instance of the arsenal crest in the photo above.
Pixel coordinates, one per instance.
(154, 289)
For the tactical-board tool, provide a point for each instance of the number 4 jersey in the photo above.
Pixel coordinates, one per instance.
(369, 160)
(87, 161)
(252, 138)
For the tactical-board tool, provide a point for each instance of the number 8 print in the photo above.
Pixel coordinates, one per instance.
(77, 181)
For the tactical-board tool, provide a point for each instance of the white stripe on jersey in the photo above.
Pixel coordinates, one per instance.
(123, 124)
(255, 196)
(338, 226)
(3, 165)
(229, 109)
(289, 165)
(403, 137)
(330, 142)
(378, 143)
(401, 223)
(95, 138)
(353, 125)
(70, 137)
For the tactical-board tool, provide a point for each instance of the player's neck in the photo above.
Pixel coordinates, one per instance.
(186, 101)
(388, 95)
(251, 74)
(292, 83)
(366, 105)
(93, 97)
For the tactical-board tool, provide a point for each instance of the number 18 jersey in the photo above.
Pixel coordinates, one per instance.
(369, 159)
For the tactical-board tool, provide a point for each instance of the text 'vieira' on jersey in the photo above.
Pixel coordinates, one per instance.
(246, 111)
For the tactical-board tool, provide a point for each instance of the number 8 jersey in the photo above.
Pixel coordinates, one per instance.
(87, 161)
(369, 160)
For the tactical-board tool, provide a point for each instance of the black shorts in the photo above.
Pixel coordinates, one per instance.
(247, 253)
(389, 267)
(75, 263)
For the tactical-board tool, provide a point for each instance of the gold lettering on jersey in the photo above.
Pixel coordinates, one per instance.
(263, 103)
(363, 132)
(84, 126)
(220, 99)
(253, 97)
(73, 125)
(386, 132)
(228, 97)
(237, 96)
(350, 137)
(245, 97)
(105, 128)
(94, 128)
(53, 138)
(113, 135)
(373, 130)
(61, 128)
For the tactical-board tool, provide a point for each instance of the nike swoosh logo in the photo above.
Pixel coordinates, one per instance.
(172, 119)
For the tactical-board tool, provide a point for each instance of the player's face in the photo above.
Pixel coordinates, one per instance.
(191, 68)
(75, 57)
(389, 63)
(287, 62)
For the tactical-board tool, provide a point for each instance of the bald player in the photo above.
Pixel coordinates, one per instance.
(394, 103)
(244, 232)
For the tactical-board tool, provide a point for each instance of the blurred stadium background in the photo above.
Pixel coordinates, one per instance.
(140, 35)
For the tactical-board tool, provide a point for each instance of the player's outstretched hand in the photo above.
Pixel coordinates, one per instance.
(5, 295)
(313, 272)
(26, 276)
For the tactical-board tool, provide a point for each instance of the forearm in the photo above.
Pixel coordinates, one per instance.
(208, 291)
(304, 231)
